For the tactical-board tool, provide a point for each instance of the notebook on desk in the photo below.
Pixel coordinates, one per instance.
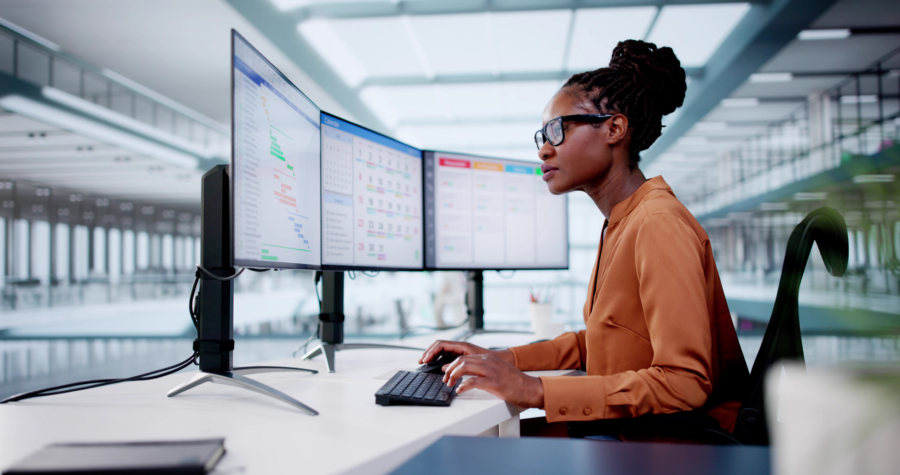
(185, 457)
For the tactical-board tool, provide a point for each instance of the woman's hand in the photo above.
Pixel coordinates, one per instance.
(460, 348)
(493, 374)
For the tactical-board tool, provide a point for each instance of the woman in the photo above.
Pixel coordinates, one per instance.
(659, 335)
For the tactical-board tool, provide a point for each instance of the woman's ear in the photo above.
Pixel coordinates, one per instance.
(618, 128)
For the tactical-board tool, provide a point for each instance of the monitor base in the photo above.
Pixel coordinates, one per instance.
(329, 348)
(236, 378)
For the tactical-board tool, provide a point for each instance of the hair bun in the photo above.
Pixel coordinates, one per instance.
(657, 70)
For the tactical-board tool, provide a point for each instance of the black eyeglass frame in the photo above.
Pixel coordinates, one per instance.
(541, 135)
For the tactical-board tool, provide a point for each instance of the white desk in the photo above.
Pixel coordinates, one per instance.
(262, 435)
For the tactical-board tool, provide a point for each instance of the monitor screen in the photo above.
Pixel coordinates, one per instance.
(371, 199)
(490, 213)
(274, 166)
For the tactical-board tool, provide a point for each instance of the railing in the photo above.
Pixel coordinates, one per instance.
(854, 118)
(35, 60)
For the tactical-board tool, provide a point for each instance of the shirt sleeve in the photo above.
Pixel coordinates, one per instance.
(566, 351)
(669, 263)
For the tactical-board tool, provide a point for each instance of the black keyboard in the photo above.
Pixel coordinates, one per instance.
(410, 387)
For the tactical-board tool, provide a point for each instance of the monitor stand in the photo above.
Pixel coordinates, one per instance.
(475, 307)
(331, 323)
(215, 343)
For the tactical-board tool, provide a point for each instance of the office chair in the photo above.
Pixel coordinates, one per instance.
(827, 229)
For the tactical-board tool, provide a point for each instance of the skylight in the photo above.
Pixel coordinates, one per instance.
(435, 103)
(285, 5)
(599, 30)
(455, 44)
(343, 42)
(696, 31)
(530, 41)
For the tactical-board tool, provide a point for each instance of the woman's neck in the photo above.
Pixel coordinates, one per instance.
(614, 187)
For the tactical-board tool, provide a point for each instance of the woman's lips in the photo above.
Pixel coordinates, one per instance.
(548, 171)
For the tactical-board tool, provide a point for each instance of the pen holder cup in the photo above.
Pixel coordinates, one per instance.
(543, 327)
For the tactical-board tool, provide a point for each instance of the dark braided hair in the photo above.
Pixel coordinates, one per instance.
(643, 83)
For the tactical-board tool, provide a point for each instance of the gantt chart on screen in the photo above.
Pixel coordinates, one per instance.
(486, 213)
(276, 167)
(372, 198)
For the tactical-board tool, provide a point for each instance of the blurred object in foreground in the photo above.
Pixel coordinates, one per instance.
(834, 421)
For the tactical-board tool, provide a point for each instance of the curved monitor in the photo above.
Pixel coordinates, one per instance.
(484, 213)
(274, 166)
(371, 199)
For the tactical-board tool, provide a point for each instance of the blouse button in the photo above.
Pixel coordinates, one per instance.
(587, 411)
(563, 411)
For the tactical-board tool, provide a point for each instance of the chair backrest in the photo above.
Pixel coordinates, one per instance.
(827, 229)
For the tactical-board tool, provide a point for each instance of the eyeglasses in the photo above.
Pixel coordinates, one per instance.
(554, 132)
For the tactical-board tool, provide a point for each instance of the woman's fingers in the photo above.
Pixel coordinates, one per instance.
(455, 347)
(465, 366)
(475, 382)
(426, 357)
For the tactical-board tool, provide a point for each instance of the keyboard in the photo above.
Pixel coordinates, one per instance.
(411, 387)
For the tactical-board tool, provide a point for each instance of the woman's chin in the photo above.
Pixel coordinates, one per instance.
(554, 186)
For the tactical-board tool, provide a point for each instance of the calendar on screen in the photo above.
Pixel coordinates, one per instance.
(371, 196)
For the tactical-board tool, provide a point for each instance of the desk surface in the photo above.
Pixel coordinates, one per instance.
(475, 456)
(351, 435)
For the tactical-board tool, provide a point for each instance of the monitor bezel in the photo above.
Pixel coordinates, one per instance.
(346, 267)
(260, 264)
(433, 153)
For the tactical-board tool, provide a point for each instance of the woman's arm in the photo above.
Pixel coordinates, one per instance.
(669, 261)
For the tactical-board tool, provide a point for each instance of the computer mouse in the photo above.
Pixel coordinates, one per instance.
(435, 365)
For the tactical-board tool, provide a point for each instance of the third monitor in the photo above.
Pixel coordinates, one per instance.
(486, 213)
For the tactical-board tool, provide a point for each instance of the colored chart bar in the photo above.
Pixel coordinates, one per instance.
(270, 258)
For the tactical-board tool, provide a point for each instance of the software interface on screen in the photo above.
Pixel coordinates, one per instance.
(275, 167)
(488, 213)
(372, 198)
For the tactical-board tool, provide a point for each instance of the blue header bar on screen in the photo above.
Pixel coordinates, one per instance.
(256, 78)
(360, 132)
(520, 169)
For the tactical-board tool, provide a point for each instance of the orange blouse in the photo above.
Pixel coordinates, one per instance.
(659, 336)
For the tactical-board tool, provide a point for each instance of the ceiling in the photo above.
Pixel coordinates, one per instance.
(469, 76)
(815, 66)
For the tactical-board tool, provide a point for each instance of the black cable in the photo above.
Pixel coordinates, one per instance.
(158, 373)
(373, 273)
(101, 382)
(507, 278)
(191, 301)
(318, 277)
(222, 279)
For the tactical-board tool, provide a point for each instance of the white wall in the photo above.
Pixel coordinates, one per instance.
(168, 252)
(80, 248)
(99, 264)
(114, 254)
(20, 253)
(2, 252)
(61, 249)
(143, 250)
(128, 258)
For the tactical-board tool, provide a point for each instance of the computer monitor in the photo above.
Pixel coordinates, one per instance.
(484, 213)
(261, 211)
(275, 167)
(371, 199)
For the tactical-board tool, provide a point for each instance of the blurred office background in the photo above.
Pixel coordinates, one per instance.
(110, 112)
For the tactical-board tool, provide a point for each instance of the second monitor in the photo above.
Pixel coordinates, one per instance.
(371, 199)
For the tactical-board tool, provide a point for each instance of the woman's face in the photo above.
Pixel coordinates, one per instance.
(584, 155)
